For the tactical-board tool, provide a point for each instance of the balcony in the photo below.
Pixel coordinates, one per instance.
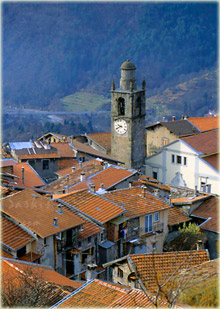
(157, 228)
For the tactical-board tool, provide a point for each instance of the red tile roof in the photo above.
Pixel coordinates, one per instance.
(31, 177)
(102, 294)
(37, 213)
(93, 205)
(213, 160)
(189, 200)
(209, 209)
(109, 177)
(45, 273)
(77, 165)
(13, 236)
(64, 149)
(135, 203)
(74, 177)
(7, 162)
(204, 143)
(205, 123)
(175, 216)
(102, 138)
(165, 264)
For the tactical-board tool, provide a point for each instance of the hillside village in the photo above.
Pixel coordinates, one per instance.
(127, 218)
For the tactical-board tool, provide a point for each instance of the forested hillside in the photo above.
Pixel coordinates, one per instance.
(52, 50)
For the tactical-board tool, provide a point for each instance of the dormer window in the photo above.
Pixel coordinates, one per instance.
(121, 107)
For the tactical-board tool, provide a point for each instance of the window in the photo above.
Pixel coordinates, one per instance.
(155, 175)
(120, 273)
(138, 106)
(89, 240)
(148, 223)
(45, 164)
(156, 217)
(102, 236)
(121, 106)
(154, 245)
(185, 161)
(164, 141)
(45, 241)
(173, 158)
(178, 159)
(79, 244)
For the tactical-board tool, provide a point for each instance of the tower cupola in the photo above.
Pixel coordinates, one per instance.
(128, 76)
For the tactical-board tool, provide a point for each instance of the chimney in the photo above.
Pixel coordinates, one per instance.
(22, 171)
(156, 192)
(102, 186)
(80, 164)
(91, 272)
(143, 191)
(73, 168)
(82, 176)
(67, 183)
(105, 164)
(60, 208)
(92, 187)
(173, 118)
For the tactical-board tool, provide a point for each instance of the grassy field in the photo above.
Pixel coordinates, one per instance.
(83, 101)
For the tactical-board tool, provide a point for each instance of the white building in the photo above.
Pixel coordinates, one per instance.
(188, 162)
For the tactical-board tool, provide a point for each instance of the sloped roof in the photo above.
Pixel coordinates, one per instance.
(189, 200)
(102, 138)
(87, 149)
(205, 143)
(135, 202)
(57, 135)
(178, 127)
(155, 185)
(13, 236)
(37, 153)
(213, 160)
(64, 149)
(165, 264)
(74, 177)
(175, 216)
(109, 177)
(205, 123)
(77, 165)
(37, 213)
(209, 209)
(93, 205)
(7, 162)
(97, 293)
(31, 177)
(45, 273)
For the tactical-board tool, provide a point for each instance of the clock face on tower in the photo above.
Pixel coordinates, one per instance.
(120, 126)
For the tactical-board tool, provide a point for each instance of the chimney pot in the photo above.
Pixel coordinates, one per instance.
(143, 191)
(102, 185)
(82, 176)
(73, 168)
(130, 184)
(22, 169)
(92, 187)
(55, 221)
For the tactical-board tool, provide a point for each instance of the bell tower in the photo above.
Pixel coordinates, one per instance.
(128, 119)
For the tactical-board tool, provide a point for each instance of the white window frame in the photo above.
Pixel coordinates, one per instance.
(149, 223)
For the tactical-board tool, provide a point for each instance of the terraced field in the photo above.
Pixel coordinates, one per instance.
(83, 101)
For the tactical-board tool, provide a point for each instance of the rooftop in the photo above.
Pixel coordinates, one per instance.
(14, 236)
(37, 213)
(64, 149)
(31, 177)
(204, 143)
(102, 138)
(136, 201)
(77, 165)
(175, 216)
(109, 177)
(93, 205)
(204, 123)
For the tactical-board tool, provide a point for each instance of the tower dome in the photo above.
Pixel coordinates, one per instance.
(128, 76)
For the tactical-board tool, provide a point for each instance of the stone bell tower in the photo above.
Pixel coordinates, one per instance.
(128, 119)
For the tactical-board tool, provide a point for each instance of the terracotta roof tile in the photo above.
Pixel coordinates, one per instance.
(31, 177)
(77, 165)
(209, 209)
(155, 185)
(7, 162)
(30, 257)
(165, 264)
(98, 293)
(213, 160)
(64, 149)
(37, 213)
(135, 203)
(88, 229)
(93, 205)
(204, 143)
(13, 236)
(175, 216)
(109, 177)
(189, 200)
(102, 138)
(205, 123)
(5, 254)
(74, 177)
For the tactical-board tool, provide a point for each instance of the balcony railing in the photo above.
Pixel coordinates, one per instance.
(156, 228)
